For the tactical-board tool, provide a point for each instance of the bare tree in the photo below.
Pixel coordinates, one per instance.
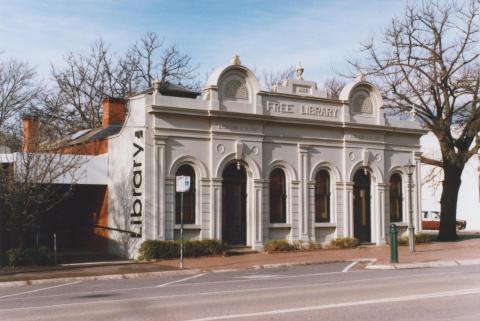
(426, 63)
(32, 182)
(150, 58)
(18, 89)
(273, 78)
(334, 86)
(86, 79)
(81, 86)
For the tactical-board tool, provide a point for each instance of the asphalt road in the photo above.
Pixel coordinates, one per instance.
(314, 292)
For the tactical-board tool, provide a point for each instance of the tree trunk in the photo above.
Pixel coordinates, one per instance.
(448, 203)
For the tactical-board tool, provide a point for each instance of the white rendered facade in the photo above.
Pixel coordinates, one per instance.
(294, 128)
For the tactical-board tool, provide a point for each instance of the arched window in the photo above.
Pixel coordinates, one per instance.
(396, 198)
(188, 197)
(278, 197)
(322, 197)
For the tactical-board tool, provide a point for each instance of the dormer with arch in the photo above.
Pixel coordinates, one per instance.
(363, 102)
(232, 88)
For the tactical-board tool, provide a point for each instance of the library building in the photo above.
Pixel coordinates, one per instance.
(288, 164)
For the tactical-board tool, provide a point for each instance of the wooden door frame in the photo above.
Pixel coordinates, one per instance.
(370, 204)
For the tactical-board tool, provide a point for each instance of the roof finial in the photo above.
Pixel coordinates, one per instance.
(360, 76)
(299, 71)
(413, 113)
(236, 60)
(156, 86)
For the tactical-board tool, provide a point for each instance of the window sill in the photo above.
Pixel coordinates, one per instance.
(400, 224)
(189, 226)
(326, 224)
(279, 225)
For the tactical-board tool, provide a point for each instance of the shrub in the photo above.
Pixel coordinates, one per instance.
(344, 242)
(155, 250)
(420, 238)
(279, 246)
(25, 257)
(312, 245)
(15, 257)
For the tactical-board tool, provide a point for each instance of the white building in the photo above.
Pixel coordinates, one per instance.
(287, 164)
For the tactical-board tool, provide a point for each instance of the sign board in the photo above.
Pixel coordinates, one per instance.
(183, 184)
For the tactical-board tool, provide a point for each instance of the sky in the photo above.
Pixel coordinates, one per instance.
(268, 35)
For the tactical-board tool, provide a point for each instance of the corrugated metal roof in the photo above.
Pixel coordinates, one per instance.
(96, 134)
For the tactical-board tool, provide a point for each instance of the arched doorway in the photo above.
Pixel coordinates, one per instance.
(234, 204)
(361, 206)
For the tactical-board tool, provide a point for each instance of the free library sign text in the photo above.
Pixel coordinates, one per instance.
(302, 109)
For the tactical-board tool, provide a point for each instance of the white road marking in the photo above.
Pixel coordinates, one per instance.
(259, 276)
(250, 280)
(345, 304)
(181, 280)
(346, 269)
(172, 296)
(38, 290)
(207, 282)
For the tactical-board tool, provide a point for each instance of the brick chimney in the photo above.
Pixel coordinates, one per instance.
(113, 111)
(31, 126)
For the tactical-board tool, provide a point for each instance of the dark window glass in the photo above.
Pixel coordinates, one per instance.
(188, 197)
(322, 197)
(278, 197)
(396, 198)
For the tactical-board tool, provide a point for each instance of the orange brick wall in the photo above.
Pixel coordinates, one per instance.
(96, 147)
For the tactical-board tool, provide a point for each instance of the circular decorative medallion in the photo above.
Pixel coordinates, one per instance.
(378, 157)
(352, 156)
(220, 148)
(255, 150)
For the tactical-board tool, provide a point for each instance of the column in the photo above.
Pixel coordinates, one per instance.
(339, 209)
(257, 214)
(293, 204)
(204, 216)
(216, 209)
(311, 209)
(348, 215)
(169, 208)
(159, 190)
(303, 208)
(383, 213)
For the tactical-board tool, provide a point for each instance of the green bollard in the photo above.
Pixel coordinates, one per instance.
(393, 244)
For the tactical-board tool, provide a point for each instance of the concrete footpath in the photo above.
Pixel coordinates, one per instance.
(465, 252)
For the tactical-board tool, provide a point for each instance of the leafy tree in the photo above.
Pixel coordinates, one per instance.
(426, 63)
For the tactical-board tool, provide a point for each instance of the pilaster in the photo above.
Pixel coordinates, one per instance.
(348, 215)
(257, 214)
(160, 173)
(216, 209)
(303, 165)
(383, 214)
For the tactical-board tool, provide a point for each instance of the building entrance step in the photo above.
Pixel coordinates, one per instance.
(239, 250)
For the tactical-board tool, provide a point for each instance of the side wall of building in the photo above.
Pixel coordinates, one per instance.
(127, 181)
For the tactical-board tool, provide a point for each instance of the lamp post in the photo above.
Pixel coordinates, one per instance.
(409, 168)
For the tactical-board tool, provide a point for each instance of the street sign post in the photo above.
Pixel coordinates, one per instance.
(182, 186)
